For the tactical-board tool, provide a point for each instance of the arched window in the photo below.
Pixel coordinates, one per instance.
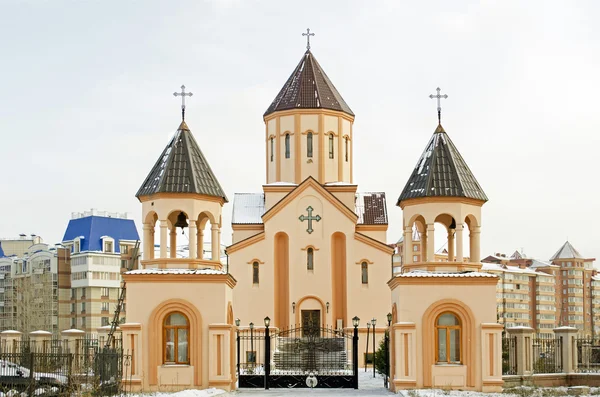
(309, 144)
(176, 330)
(364, 273)
(287, 146)
(447, 335)
(255, 278)
(310, 257)
(346, 143)
(330, 146)
(272, 147)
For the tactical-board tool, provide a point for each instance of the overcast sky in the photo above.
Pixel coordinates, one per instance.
(86, 103)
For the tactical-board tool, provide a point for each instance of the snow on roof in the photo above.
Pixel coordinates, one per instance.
(508, 269)
(371, 208)
(424, 274)
(536, 263)
(281, 183)
(176, 271)
(339, 184)
(248, 208)
(567, 251)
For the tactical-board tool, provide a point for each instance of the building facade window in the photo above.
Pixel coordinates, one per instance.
(447, 335)
(346, 145)
(364, 273)
(309, 144)
(330, 146)
(104, 292)
(176, 330)
(104, 306)
(105, 321)
(255, 275)
(310, 257)
(287, 146)
(272, 147)
(76, 247)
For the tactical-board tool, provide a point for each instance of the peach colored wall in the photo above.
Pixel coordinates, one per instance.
(430, 210)
(144, 297)
(287, 164)
(348, 198)
(239, 235)
(272, 198)
(365, 301)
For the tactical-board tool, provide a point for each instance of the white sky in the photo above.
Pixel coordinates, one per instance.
(86, 102)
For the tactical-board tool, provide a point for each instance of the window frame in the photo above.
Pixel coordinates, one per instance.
(255, 273)
(346, 144)
(310, 259)
(309, 144)
(331, 147)
(448, 351)
(364, 273)
(272, 147)
(287, 146)
(165, 327)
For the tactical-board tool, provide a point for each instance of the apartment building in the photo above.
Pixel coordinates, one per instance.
(100, 244)
(31, 287)
(18, 246)
(564, 291)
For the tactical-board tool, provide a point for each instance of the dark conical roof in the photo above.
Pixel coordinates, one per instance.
(442, 172)
(181, 168)
(309, 88)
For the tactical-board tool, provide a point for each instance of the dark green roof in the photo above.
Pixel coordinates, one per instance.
(309, 88)
(442, 172)
(182, 168)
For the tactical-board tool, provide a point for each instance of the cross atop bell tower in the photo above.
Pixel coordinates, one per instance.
(183, 94)
(439, 105)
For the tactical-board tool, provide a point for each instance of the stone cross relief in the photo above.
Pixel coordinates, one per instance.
(309, 218)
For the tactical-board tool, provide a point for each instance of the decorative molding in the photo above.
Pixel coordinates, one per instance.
(372, 228)
(310, 246)
(374, 243)
(248, 226)
(245, 243)
(396, 281)
(181, 196)
(256, 260)
(325, 112)
(426, 200)
(181, 278)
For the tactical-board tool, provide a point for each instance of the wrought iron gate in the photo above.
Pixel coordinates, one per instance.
(297, 357)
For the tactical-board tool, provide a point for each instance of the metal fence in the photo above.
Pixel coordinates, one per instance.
(547, 355)
(58, 369)
(509, 355)
(588, 355)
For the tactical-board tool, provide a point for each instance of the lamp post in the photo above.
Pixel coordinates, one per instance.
(373, 322)
(252, 342)
(355, 322)
(237, 331)
(387, 350)
(367, 345)
(267, 352)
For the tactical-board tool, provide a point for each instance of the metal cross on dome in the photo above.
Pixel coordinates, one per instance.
(439, 105)
(308, 34)
(309, 218)
(183, 94)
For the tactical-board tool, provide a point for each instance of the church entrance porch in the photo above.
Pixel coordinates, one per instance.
(308, 356)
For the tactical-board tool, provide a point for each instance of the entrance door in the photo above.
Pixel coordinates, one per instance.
(311, 322)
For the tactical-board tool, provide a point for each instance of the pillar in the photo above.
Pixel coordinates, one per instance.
(568, 344)
(430, 242)
(72, 337)
(524, 348)
(9, 341)
(407, 245)
(215, 242)
(192, 239)
(40, 341)
(173, 243)
(474, 244)
(148, 242)
(163, 239)
(451, 245)
(221, 362)
(459, 243)
(423, 245)
(200, 243)
(151, 256)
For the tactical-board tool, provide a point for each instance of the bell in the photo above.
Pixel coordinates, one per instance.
(452, 225)
(181, 221)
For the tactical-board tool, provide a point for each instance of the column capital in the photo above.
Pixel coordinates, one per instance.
(164, 224)
(192, 223)
(214, 226)
(408, 229)
(459, 226)
(148, 226)
(431, 226)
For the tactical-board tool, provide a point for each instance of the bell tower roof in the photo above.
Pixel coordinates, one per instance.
(308, 88)
(442, 172)
(182, 168)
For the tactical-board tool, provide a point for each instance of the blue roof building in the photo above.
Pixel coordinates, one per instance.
(93, 228)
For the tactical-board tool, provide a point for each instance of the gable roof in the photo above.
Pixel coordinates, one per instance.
(93, 228)
(308, 88)
(567, 251)
(182, 168)
(248, 208)
(442, 172)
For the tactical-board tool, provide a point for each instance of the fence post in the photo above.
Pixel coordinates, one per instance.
(10, 339)
(386, 344)
(568, 347)
(31, 388)
(238, 351)
(355, 355)
(524, 349)
(267, 356)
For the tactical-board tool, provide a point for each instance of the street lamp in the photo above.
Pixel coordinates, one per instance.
(237, 326)
(293, 307)
(367, 345)
(327, 305)
(387, 350)
(355, 321)
(389, 317)
(373, 322)
(267, 321)
(237, 322)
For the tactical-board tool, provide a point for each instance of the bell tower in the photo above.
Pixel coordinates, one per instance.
(309, 128)
(181, 197)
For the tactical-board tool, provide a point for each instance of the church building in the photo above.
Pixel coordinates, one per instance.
(310, 248)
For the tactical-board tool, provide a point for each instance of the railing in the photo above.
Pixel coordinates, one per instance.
(509, 355)
(588, 355)
(547, 355)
